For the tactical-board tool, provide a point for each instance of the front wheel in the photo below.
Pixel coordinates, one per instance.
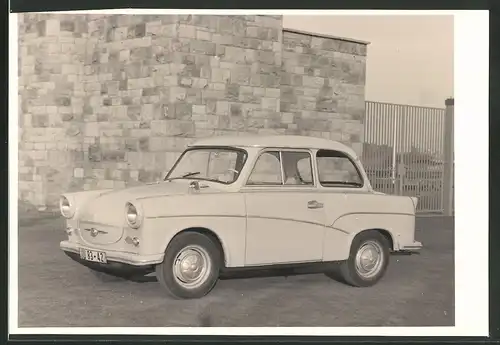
(191, 266)
(368, 260)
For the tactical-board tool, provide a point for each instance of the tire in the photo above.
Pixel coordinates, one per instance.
(190, 247)
(362, 273)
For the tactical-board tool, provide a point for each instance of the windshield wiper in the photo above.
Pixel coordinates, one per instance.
(189, 174)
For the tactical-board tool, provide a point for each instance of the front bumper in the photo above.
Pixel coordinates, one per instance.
(113, 256)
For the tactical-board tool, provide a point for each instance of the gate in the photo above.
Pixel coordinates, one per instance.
(403, 152)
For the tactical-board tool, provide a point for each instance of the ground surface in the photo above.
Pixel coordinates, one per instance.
(418, 290)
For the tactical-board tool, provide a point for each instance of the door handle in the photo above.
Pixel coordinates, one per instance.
(314, 204)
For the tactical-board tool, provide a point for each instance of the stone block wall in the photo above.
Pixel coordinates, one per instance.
(108, 101)
(52, 96)
(323, 87)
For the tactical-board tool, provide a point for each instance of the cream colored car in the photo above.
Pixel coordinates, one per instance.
(241, 203)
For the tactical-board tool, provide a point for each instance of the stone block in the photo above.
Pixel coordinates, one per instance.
(202, 47)
(187, 31)
(203, 35)
(199, 109)
(199, 83)
(271, 104)
(265, 57)
(183, 110)
(240, 75)
(153, 28)
(234, 54)
(235, 109)
(272, 92)
(222, 108)
(113, 155)
(52, 27)
(220, 75)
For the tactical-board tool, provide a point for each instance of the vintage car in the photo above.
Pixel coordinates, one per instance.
(241, 203)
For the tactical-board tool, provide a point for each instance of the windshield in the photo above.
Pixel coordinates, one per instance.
(212, 164)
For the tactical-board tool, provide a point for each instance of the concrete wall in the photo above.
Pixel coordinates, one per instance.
(111, 100)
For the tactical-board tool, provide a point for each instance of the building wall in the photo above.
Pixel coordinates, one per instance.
(111, 100)
(323, 87)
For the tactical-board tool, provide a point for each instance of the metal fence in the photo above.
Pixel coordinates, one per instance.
(404, 152)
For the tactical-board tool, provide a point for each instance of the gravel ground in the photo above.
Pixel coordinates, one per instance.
(55, 291)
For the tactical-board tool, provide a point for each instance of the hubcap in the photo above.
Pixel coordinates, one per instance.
(191, 266)
(369, 259)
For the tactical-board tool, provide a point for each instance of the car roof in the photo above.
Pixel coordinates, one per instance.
(277, 141)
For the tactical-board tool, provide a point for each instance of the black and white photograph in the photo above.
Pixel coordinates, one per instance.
(211, 172)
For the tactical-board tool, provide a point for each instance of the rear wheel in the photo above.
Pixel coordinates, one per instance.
(367, 262)
(191, 266)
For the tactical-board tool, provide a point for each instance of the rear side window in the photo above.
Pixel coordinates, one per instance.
(336, 169)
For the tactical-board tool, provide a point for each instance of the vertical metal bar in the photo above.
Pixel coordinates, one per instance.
(367, 137)
(370, 140)
(448, 156)
(388, 164)
(437, 187)
(380, 141)
(434, 166)
(441, 158)
(427, 165)
(374, 138)
(403, 124)
(395, 137)
(388, 144)
(419, 155)
(380, 153)
(394, 145)
(409, 156)
(428, 161)
(435, 181)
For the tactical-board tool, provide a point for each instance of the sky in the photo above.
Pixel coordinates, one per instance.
(409, 59)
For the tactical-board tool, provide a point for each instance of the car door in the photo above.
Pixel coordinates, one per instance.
(285, 213)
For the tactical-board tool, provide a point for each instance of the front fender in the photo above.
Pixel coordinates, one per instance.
(158, 232)
(224, 214)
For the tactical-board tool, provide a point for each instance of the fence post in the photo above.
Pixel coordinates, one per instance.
(448, 151)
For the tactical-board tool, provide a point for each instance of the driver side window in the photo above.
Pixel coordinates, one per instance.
(267, 170)
(291, 168)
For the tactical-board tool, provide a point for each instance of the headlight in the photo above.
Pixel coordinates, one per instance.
(132, 216)
(65, 207)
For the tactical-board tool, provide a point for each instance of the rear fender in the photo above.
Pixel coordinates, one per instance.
(339, 236)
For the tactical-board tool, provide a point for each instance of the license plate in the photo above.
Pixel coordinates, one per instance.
(93, 255)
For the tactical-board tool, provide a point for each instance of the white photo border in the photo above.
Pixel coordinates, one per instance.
(471, 28)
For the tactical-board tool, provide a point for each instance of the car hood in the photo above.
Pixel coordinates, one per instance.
(108, 206)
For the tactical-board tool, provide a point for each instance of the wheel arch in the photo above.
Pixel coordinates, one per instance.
(210, 234)
(384, 232)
